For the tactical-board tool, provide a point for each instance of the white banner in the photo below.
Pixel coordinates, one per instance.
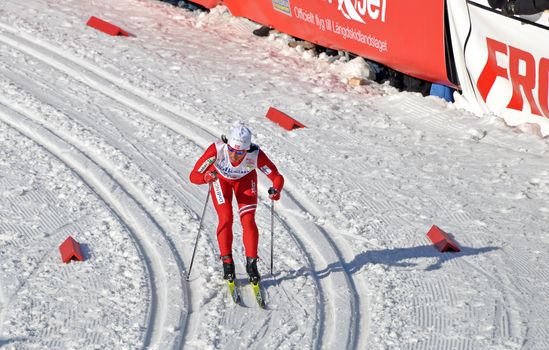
(502, 62)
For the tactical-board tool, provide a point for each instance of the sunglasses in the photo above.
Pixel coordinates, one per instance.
(237, 151)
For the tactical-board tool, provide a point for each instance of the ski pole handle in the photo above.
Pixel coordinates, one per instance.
(274, 194)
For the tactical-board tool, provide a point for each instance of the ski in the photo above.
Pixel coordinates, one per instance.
(233, 291)
(257, 293)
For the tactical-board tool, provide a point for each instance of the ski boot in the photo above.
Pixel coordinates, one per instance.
(228, 268)
(251, 269)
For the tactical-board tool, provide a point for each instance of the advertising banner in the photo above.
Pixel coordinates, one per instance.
(504, 67)
(405, 35)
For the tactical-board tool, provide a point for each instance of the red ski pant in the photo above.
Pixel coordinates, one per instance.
(245, 192)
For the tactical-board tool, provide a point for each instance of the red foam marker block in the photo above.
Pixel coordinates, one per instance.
(283, 119)
(70, 249)
(106, 27)
(441, 240)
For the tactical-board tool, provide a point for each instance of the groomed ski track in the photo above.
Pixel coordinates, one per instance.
(126, 118)
(161, 262)
(336, 294)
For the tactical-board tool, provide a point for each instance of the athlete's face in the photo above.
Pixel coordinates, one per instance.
(235, 155)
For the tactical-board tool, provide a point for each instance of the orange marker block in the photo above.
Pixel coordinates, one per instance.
(283, 120)
(441, 240)
(70, 250)
(106, 27)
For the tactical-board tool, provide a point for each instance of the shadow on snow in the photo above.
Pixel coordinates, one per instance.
(395, 257)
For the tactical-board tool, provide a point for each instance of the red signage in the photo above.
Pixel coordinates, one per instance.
(405, 35)
(524, 73)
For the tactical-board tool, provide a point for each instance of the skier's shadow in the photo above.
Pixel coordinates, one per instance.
(396, 257)
(86, 252)
(4, 341)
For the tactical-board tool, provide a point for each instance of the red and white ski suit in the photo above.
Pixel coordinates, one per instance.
(242, 180)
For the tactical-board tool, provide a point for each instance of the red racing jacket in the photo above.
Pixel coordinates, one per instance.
(216, 157)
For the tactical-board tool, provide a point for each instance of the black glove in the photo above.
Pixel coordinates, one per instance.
(274, 194)
(509, 8)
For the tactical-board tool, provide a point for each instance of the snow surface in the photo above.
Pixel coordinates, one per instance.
(98, 135)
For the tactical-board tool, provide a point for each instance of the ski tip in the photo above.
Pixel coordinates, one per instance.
(258, 295)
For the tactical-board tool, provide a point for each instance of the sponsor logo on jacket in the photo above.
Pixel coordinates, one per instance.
(266, 170)
(218, 192)
(231, 172)
(206, 164)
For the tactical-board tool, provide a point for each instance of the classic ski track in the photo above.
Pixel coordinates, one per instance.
(333, 329)
(173, 182)
(165, 284)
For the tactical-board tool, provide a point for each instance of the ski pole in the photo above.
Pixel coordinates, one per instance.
(271, 192)
(272, 234)
(199, 229)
